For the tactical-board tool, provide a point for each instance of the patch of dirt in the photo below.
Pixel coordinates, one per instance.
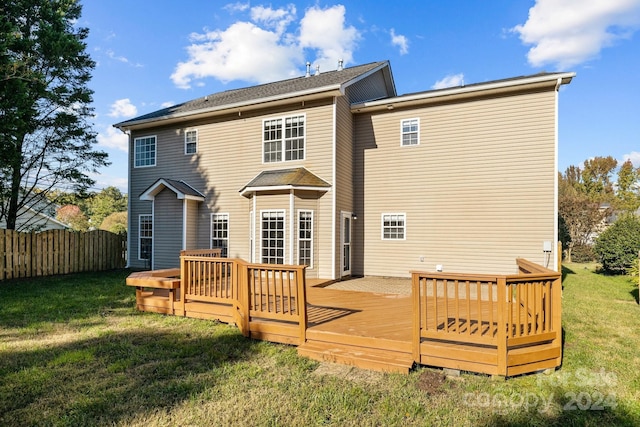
(350, 373)
(432, 382)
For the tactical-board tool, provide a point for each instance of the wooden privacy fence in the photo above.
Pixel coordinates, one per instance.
(59, 252)
(504, 325)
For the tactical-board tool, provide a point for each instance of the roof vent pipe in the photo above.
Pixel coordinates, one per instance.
(317, 70)
(308, 70)
(340, 62)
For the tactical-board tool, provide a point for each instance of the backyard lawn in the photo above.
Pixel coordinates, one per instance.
(74, 351)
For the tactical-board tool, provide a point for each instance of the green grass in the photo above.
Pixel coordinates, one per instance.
(73, 351)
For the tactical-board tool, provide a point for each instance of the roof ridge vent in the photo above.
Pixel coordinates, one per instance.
(340, 64)
(308, 70)
(317, 70)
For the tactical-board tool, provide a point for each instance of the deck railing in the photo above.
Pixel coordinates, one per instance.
(274, 293)
(490, 320)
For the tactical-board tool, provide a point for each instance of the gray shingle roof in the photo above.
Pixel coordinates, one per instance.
(179, 187)
(268, 90)
(294, 177)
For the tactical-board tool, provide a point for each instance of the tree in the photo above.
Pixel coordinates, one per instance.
(628, 188)
(102, 204)
(115, 223)
(596, 178)
(581, 213)
(46, 140)
(618, 246)
(73, 217)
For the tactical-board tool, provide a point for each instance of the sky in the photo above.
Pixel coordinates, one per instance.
(153, 54)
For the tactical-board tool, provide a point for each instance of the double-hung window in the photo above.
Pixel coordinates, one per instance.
(145, 236)
(394, 226)
(410, 131)
(191, 142)
(144, 150)
(220, 232)
(283, 139)
(272, 231)
(305, 238)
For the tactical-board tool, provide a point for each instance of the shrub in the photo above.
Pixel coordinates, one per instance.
(583, 253)
(617, 247)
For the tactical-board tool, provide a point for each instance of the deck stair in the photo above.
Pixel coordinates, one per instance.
(362, 357)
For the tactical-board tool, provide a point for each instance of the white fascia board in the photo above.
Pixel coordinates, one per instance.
(463, 90)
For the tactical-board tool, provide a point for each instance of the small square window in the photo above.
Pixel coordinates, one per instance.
(393, 226)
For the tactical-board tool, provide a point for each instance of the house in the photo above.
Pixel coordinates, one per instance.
(339, 172)
(35, 218)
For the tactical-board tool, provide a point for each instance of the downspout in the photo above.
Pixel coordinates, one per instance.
(334, 199)
(184, 223)
(291, 224)
(129, 216)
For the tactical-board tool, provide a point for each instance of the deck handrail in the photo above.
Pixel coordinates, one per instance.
(503, 311)
(267, 291)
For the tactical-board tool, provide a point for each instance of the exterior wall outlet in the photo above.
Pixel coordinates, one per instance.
(421, 258)
(439, 267)
(546, 246)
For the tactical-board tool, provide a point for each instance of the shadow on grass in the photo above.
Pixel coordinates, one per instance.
(566, 271)
(116, 377)
(635, 293)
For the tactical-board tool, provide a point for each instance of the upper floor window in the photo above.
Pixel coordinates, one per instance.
(410, 130)
(191, 142)
(283, 139)
(144, 150)
(393, 226)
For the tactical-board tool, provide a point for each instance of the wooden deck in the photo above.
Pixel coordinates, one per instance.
(504, 325)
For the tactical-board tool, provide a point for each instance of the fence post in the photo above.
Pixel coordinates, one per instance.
(503, 324)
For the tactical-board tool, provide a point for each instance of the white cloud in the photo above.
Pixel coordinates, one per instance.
(324, 31)
(451, 80)
(123, 108)
(237, 7)
(167, 104)
(569, 32)
(266, 49)
(401, 41)
(634, 156)
(113, 138)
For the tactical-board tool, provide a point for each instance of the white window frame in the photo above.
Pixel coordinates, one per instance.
(220, 218)
(147, 217)
(282, 140)
(187, 142)
(284, 234)
(305, 239)
(410, 131)
(135, 151)
(391, 215)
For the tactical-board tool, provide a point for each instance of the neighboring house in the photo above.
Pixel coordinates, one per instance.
(30, 219)
(337, 171)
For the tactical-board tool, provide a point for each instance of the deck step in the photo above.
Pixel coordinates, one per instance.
(361, 357)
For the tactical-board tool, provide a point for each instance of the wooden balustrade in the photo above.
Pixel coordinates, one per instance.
(503, 325)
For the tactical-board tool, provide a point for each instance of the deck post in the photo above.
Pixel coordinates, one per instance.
(241, 279)
(556, 314)
(180, 307)
(559, 256)
(502, 325)
(415, 297)
(301, 283)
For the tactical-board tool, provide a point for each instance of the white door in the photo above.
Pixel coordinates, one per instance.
(345, 238)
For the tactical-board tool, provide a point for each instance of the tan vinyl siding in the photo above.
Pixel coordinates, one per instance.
(192, 224)
(167, 230)
(477, 192)
(344, 172)
(229, 156)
